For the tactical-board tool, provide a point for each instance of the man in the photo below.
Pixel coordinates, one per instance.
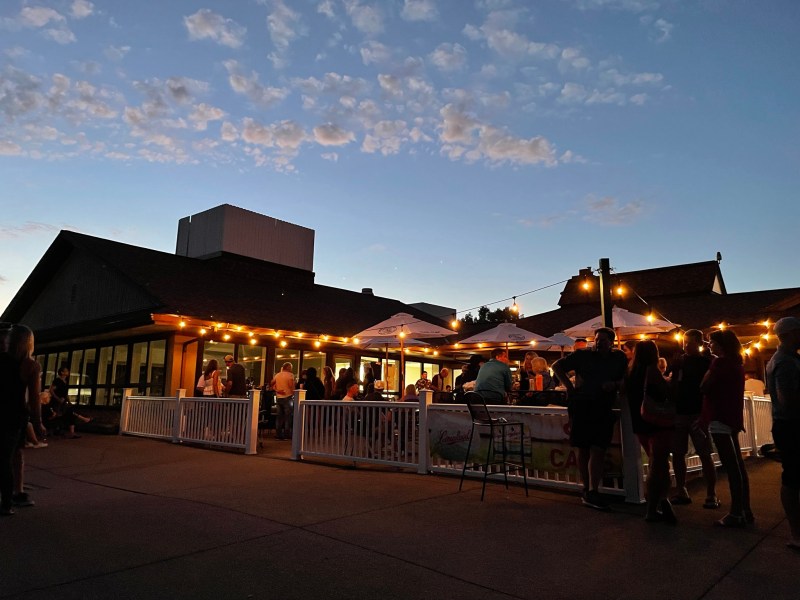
(283, 384)
(599, 374)
(422, 382)
(686, 375)
(235, 383)
(752, 384)
(783, 383)
(494, 379)
(61, 408)
(440, 380)
(352, 393)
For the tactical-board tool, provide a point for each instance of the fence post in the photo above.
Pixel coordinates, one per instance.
(298, 419)
(751, 423)
(632, 468)
(176, 417)
(125, 411)
(251, 434)
(423, 439)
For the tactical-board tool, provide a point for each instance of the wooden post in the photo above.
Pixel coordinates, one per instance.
(605, 293)
(297, 423)
(423, 440)
(124, 414)
(251, 435)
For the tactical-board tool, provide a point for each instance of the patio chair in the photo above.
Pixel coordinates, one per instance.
(498, 427)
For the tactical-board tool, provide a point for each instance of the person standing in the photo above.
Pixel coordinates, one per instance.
(783, 380)
(63, 407)
(599, 376)
(236, 382)
(494, 378)
(283, 384)
(423, 383)
(329, 382)
(315, 389)
(687, 373)
(723, 403)
(210, 378)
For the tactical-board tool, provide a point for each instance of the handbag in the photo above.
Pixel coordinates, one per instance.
(660, 413)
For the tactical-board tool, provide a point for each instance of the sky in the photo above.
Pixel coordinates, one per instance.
(457, 152)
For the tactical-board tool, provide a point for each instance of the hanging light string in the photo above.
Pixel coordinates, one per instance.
(646, 303)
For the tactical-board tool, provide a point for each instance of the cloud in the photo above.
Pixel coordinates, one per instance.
(332, 135)
(387, 137)
(419, 10)
(203, 113)
(205, 24)
(499, 36)
(39, 16)
(249, 86)
(27, 228)
(60, 36)
(3, 279)
(366, 18)
(374, 53)
(614, 77)
(286, 135)
(609, 211)
(571, 58)
(19, 93)
(448, 57)
(228, 132)
(465, 137)
(662, 28)
(331, 83)
(8, 148)
(116, 53)
(284, 25)
(326, 8)
(331, 156)
(81, 9)
(627, 5)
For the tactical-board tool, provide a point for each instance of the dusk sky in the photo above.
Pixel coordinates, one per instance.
(457, 152)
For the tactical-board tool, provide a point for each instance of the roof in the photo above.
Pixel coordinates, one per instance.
(225, 287)
(677, 280)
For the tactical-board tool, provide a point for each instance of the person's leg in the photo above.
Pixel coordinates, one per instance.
(583, 468)
(8, 447)
(597, 459)
(280, 418)
(747, 511)
(701, 439)
(680, 445)
(662, 441)
(727, 455)
(289, 416)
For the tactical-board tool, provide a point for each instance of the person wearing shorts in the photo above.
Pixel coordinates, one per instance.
(599, 374)
(783, 382)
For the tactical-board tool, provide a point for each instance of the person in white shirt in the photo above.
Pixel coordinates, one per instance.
(753, 385)
(283, 383)
(352, 392)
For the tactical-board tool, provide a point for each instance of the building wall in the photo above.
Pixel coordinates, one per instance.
(84, 289)
(227, 228)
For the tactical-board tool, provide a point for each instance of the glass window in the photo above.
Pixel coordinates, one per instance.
(314, 359)
(75, 367)
(139, 363)
(50, 372)
(157, 368)
(217, 351)
(102, 398)
(104, 365)
(42, 360)
(120, 369)
(341, 362)
(252, 358)
(62, 361)
(414, 372)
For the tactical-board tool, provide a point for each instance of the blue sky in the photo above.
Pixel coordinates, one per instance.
(450, 151)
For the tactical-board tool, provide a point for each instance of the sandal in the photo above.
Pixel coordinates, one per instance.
(711, 502)
(730, 520)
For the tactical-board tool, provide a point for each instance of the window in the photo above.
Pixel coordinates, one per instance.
(314, 359)
(217, 351)
(414, 372)
(157, 368)
(253, 359)
(283, 356)
(139, 363)
(341, 362)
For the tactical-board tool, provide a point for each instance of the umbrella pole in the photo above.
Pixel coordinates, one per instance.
(402, 367)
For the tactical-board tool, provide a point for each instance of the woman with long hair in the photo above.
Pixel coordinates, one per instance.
(723, 403)
(644, 378)
(329, 381)
(211, 379)
(21, 383)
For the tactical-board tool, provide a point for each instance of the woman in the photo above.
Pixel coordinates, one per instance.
(21, 389)
(340, 386)
(644, 377)
(211, 384)
(723, 403)
(540, 369)
(411, 394)
(526, 372)
(315, 389)
(329, 382)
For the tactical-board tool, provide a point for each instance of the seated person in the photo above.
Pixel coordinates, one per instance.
(753, 385)
(411, 394)
(423, 383)
(58, 417)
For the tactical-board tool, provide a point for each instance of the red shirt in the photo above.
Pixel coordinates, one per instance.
(723, 401)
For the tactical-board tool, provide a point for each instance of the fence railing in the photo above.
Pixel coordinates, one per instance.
(434, 438)
(225, 422)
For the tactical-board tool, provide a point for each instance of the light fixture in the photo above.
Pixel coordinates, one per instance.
(586, 285)
(226, 337)
(619, 289)
(182, 324)
(202, 331)
(533, 342)
(345, 340)
(238, 328)
(747, 351)
(317, 344)
(402, 334)
(356, 340)
(283, 343)
(456, 345)
(326, 337)
(721, 326)
(436, 353)
(678, 337)
(481, 345)
(252, 341)
(650, 318)
(425, 350)
(766, 323)
(276, 334)
(251, 334)
(757, 345)
(515, 306)
(454, 323)
(300, 334)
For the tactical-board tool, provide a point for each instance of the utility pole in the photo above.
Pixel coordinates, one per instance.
(605, 293)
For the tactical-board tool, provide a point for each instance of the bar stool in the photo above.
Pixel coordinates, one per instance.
(481, 417)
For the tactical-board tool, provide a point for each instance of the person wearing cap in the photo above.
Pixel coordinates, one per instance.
(783, 383)
(236, 382)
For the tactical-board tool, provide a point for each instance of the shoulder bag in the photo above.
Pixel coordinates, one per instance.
(660, 413)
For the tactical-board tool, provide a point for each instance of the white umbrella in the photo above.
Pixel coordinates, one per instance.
(387, 341)
(625, 323)
(558, 341)
(505, 333)
(400, 327)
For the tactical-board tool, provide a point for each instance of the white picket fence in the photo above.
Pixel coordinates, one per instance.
(220, 422)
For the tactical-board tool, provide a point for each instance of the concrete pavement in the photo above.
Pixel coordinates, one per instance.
(132, 518)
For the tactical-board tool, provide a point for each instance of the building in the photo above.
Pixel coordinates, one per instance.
(240, 283)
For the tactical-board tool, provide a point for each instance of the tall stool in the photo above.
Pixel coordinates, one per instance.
(481, 417)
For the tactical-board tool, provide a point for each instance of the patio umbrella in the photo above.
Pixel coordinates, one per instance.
(625, 323)
(400, 327)
(387, 341)
(558, 341)
(505, 333)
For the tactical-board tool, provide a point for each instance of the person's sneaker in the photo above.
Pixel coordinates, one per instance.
(593, 499)
(6, 511)
(22, 500)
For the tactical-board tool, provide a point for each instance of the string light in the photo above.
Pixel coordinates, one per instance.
(317, 344)
(678, 337)
(533, 342)
(436, 353)
(203, 331)
(182, 324)
(226, 337)
(650, 318)
(454, 323)
(514, 306)
(251, 334)
(252, 341)
(355, 340)
(283, 343)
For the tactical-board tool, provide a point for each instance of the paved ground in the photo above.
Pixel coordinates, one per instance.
(132, 518)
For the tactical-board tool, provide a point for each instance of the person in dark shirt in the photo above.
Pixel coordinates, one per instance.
(686, 374)
(236, 383)
(61, 411)
(599, 374)
(315, 389)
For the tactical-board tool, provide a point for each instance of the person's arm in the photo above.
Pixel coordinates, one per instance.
(216, 384)
(561, 368)
(32, 375)
(787, 386)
